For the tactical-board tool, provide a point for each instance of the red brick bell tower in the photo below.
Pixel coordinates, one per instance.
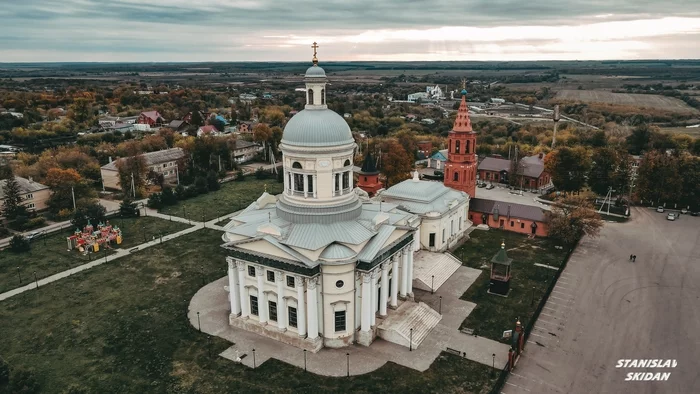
(461, 166)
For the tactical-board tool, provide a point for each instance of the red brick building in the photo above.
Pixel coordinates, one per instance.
(368, 176)
(461, 165)
(151, 118)
(494, 170)
(534, 177)
(425, 148)
(519, 218)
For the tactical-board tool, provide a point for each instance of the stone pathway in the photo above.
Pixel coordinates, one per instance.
(209, 224)
(211, 302)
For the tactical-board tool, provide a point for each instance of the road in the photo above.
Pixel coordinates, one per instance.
(605, 308)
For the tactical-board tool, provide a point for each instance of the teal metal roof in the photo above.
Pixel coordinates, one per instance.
(375, 245)
(502, 256)
(337, 251)
(420, 197)
(315, 236)
(317, 128)
(315, 72)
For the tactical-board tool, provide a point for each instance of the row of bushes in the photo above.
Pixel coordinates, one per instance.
(170, 196)
(24, 223)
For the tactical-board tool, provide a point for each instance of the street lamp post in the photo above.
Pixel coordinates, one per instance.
(410, 341)
(432, 284)
(36, 280)
(20, 276)
(253, 358)
(440, 310)
(199, 323)
(304, 360)
(348, 357)
(493, 365)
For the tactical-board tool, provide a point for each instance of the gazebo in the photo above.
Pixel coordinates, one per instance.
(500, 272)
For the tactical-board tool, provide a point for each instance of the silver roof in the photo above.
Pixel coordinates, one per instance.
(25, 186)
(153, 158)
(315, 72)
(421, 197)
(337, 252)
(317, 128)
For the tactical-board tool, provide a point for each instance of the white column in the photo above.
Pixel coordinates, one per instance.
(409, 288)
(404, 272)
(373, 299)
(301, 310)
(306, 185)
(340, 184)
(366, 300)
(313, 308)
(233, 292)
(384, 290)
(315, 185)
(262, 304)
(394, 280)
(352, 178)
(286, 181)
(281, 303)
(245, 309)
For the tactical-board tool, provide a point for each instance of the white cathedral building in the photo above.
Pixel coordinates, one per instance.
(320, 264)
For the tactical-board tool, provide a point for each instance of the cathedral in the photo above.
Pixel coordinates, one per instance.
(320, 264)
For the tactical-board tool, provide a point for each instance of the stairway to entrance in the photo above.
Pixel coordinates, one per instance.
(397, 326)
(432, 270)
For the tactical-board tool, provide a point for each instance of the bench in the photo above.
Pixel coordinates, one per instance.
(454, 351)
(468, 331)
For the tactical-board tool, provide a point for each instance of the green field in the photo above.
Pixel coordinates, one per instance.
(50, 255)
(494, 314)
(123, 328)
(232, 196)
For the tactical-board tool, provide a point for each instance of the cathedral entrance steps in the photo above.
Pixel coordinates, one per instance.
(396, 328)
(431, 270)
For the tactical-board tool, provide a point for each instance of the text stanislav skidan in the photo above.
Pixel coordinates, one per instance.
(647, 363)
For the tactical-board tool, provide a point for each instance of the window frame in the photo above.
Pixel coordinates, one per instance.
(267, 276)
(254, 305)
(272, 310)
(292, 319)
(293, 282)
(343, 317)
(251, 271)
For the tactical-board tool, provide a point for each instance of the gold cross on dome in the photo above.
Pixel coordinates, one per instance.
(315, 47)
(464, 83)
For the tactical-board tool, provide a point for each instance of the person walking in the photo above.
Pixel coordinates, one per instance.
(630, 257)
(634, 258)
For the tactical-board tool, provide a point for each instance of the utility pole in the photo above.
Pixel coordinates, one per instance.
(133, 185)
(72, 192)
(556, 123)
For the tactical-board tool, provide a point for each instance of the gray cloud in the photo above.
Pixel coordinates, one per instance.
(198, 30)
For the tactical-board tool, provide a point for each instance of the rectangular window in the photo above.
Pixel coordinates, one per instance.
(310, 183)
(340, 321)
(272, 308)
(251, 271)
(512, 223)
(522, 225)
(254, 305)
(290, 281)
(270, 276)
(292, 316)
(29, 196)
(431, 242)
(30, 205)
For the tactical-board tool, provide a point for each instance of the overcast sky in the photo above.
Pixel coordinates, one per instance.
(281, 30)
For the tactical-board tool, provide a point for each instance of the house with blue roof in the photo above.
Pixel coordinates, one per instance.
(438, 160)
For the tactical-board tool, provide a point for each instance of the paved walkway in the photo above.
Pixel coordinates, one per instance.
(211, 302)
(209, 224)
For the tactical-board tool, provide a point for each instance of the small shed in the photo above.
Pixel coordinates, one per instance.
(500, 272)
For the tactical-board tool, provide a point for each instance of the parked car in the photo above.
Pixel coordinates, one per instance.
(490, 186)
(684, 211)
(481, 184)
(660, 209)
(32, 235)
(671, 216)
(695, 213)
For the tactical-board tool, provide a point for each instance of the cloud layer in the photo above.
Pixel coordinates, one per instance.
(267, 30)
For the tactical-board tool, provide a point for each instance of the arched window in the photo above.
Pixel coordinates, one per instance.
(323, 96)
(347, 163)
(298, 178)
(311, 97)
(455, 177)
(457, 146)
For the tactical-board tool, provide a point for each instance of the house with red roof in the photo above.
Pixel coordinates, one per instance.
(207, 130)
(151, 118)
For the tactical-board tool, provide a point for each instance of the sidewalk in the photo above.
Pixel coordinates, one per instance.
(119, 254)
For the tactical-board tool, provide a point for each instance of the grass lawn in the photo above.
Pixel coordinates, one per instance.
(232, 197)
(122, 328)
(49, 256)
(494, 314)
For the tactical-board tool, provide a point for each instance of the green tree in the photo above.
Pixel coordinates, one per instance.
(155, 201)
(213, 181)
(13, 198)
(167, 196)
(196, 119)
(568, 168)
(602, 174)
(658, 178)
(4, 374)
(128, 208)
(571, 218)
(132, 175)
(89, 211)
(23, 381)
(19, 244)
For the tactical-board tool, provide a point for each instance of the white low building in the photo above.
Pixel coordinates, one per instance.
(318, 265)
(443, 211)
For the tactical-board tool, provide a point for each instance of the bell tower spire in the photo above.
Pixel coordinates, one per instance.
(315, 79)
(461, 166)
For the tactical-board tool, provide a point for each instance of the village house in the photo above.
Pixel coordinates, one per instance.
(207, 130)
(494, 170)
(246, 127)
(178, 125)
(151, 118)
(163, 162)
(245, 151)
(35, 196)
(534, 177)
(424, 149)
(438, 160)
(519, 218)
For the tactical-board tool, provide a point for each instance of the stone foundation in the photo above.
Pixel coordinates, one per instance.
(366, 338)
(338, 342)
(271, 331)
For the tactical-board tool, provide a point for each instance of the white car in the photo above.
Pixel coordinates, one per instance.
(31, 235)
(684, 211)
(671, 216)
(490, 186)
(660, 209)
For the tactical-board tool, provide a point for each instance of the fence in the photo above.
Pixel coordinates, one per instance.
(531, 323)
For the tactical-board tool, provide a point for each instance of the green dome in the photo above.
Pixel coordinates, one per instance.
(464, 92)
(315, 72)
(317, 127)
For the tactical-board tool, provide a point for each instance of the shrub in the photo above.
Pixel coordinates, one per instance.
(36, 222)
(19, 244)
(63, 214)
(200, 184)
(128, 208)
(260, 173)
(240, 176)
(155, 201)
(167, 197)
(212, 181)
(22, 381)
(90, 211)
(180, 192)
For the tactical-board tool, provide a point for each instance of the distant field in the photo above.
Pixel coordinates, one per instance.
(635, 100)
(693, 131)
